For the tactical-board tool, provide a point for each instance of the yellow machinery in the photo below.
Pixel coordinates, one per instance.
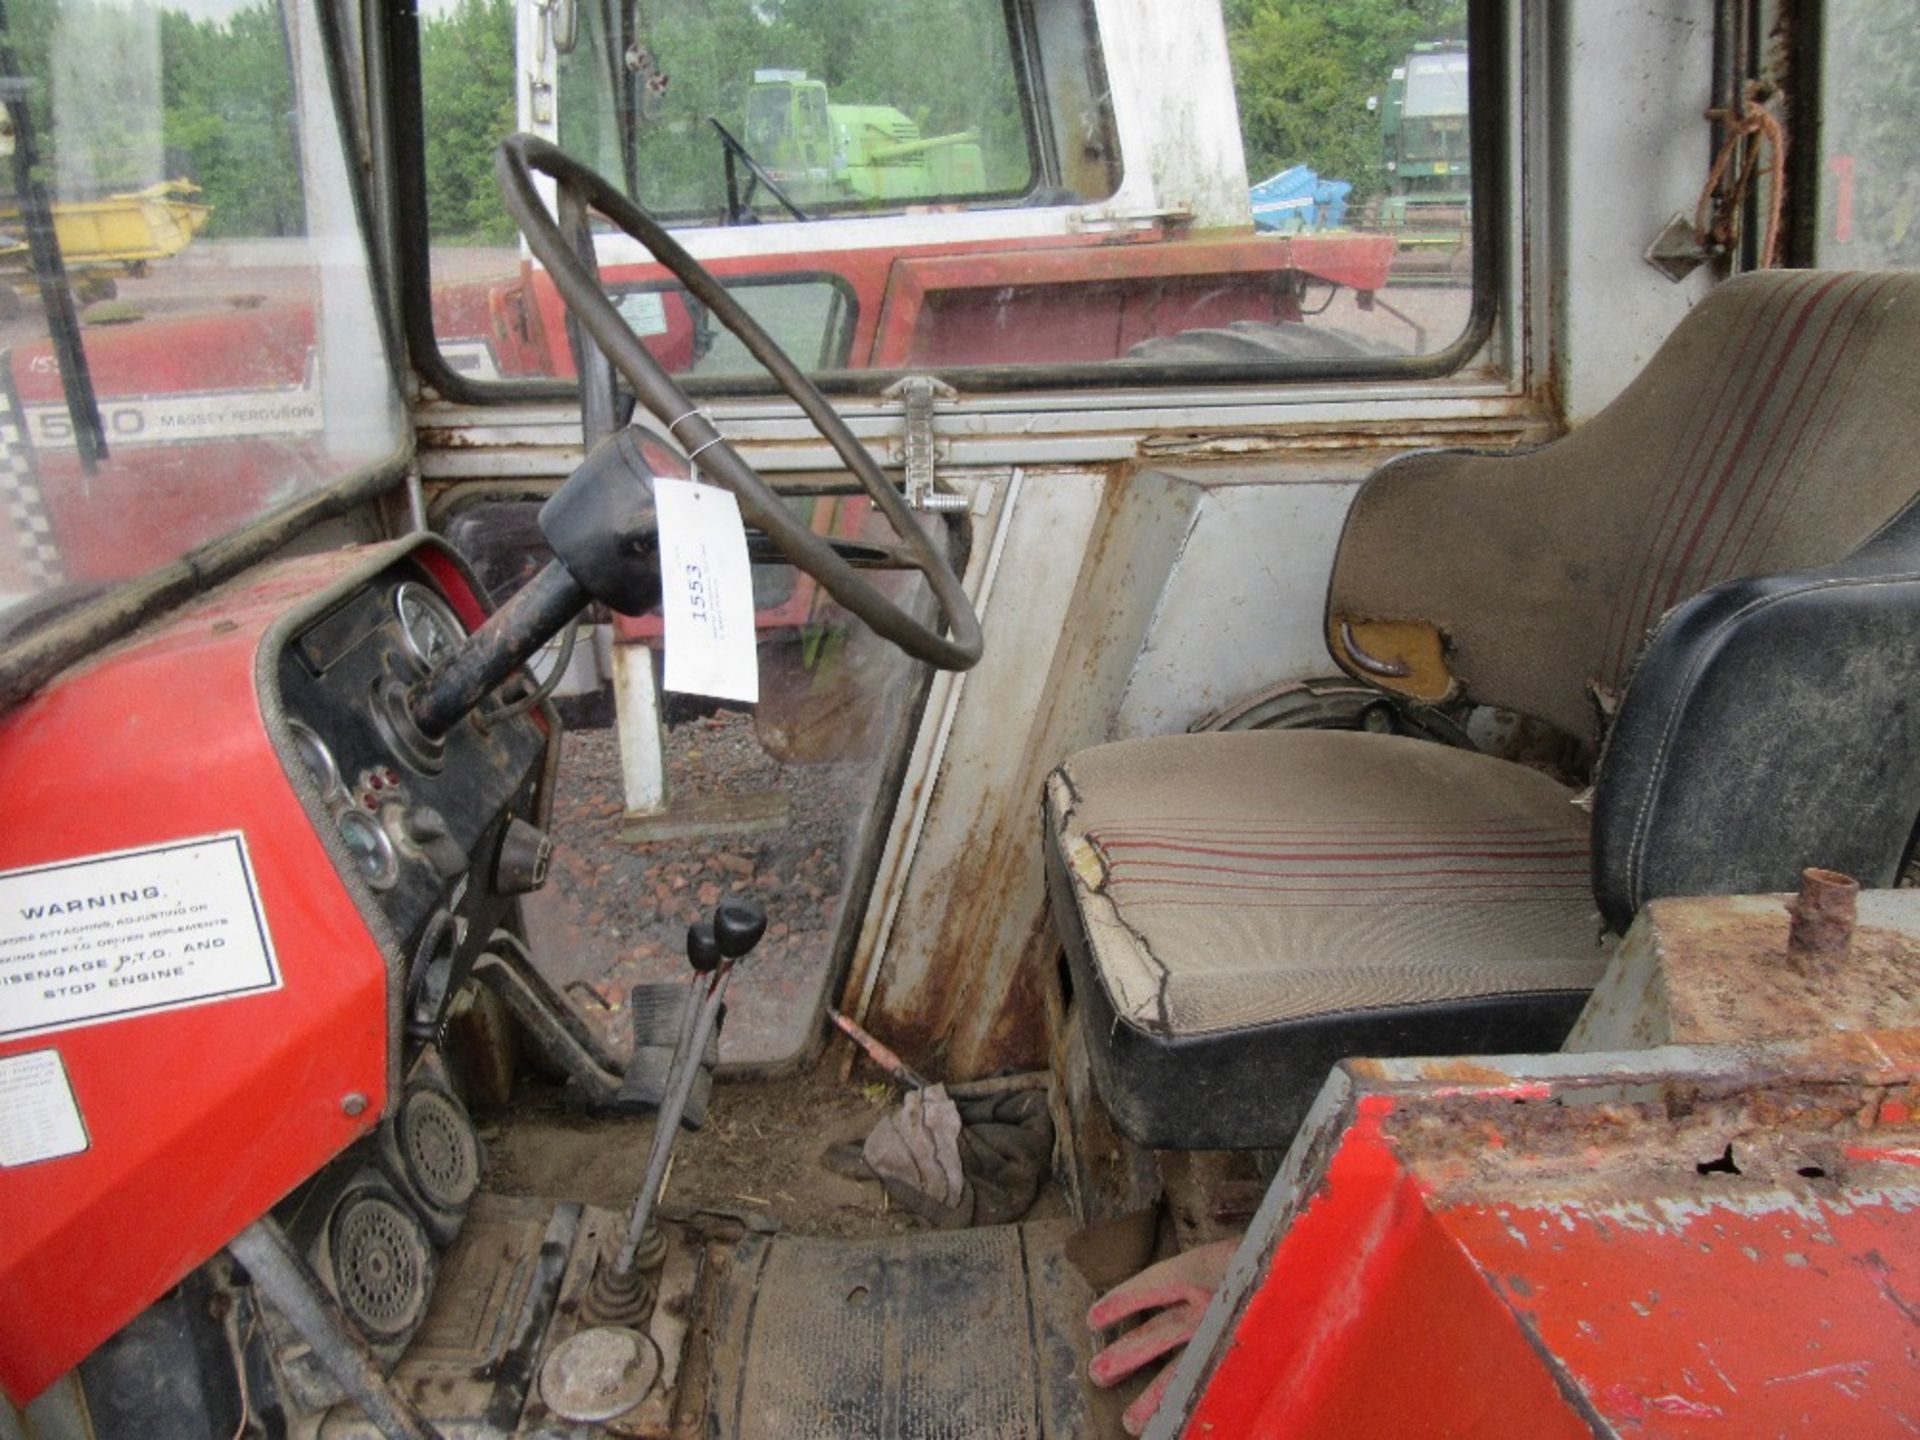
(113, 235)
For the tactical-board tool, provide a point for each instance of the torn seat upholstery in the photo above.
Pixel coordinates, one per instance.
(1253, 907)
(1715, 583)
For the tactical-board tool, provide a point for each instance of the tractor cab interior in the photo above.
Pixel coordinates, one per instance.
(1195, 724)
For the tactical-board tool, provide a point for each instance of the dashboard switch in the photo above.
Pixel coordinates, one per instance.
(426, 829)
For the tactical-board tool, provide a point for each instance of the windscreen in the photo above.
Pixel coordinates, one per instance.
(1437, 85)
(188, 340)
(833, 105)
(1002, 192)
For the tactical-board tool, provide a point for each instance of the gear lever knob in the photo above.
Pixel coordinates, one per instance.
(737, 926)
(703, 949)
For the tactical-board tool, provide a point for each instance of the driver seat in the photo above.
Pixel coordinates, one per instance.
(1714, 584)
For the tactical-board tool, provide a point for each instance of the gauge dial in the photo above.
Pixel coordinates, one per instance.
(315, 755)
(371, 847)
(427, 623)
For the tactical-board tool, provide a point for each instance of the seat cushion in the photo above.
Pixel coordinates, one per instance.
(1242, 910)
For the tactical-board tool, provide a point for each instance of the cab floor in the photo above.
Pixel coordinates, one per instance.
(925, 1336)
(963, 1333)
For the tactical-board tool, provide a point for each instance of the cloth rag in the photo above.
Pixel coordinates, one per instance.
(972, 1162)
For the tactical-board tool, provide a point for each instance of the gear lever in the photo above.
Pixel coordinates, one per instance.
(713, 947)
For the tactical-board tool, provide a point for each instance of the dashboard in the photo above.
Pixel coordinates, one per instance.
(239, 905)
(433, 838)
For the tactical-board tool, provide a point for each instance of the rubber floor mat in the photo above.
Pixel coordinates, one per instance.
(950, 1335)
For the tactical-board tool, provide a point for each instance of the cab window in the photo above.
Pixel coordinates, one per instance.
(189, 343)
(1869, 172)
(1052, 202)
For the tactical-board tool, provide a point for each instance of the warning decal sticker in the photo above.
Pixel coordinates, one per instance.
(39, 1119)
(110, 936)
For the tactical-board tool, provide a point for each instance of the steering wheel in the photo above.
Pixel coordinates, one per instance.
(579, 286)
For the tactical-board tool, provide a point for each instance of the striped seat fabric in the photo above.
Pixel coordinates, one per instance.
(1235, 891)
(1775, 430)
(1265, 896)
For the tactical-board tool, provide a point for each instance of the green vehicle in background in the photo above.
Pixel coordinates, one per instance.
(1426, 149)
(820, 152)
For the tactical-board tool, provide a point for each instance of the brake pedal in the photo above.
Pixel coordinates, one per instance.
(659, 1010)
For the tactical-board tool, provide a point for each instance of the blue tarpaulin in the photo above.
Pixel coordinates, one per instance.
(1298, 199)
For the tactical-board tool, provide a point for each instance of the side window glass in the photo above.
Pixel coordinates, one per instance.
(1869, 175)
(188, 334)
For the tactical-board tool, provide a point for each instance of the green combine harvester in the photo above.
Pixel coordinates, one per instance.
(1427, 151)
(821, 152)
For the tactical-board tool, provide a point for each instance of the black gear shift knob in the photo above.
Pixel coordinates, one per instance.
(703, 949)
(737, 926)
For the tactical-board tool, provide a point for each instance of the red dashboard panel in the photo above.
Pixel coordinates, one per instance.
(195, 1119)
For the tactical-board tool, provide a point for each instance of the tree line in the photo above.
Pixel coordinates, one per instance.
(1303, 71)
(127, 92)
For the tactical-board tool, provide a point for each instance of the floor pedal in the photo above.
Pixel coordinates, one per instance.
(656, 1009)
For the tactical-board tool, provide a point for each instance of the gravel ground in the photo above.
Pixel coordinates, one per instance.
(615, 913)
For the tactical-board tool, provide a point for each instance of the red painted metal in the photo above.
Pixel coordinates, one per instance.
(199, 1119)
(160, 386)
(1371, 1323)
(1471, 1254)
(150, 505)
(1095, 302)
(243, 350)
(926, 304)
(1752, 1317)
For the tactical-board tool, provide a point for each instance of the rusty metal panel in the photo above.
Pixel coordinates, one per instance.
(961, 985)
(1638, 1244)
(1711, 970)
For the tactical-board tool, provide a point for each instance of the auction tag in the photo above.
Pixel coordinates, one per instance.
(707, 592)
(39, 1118)
(109, 936)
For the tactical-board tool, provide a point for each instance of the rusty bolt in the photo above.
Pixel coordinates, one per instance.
(1820, 929)
(354, 1103)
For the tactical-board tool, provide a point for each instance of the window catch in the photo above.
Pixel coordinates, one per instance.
(917, 394)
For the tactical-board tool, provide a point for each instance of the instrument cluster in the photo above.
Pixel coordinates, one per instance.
(419, 835)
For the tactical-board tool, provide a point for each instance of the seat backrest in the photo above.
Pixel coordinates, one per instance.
(1775, 430)
(1773, 723)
